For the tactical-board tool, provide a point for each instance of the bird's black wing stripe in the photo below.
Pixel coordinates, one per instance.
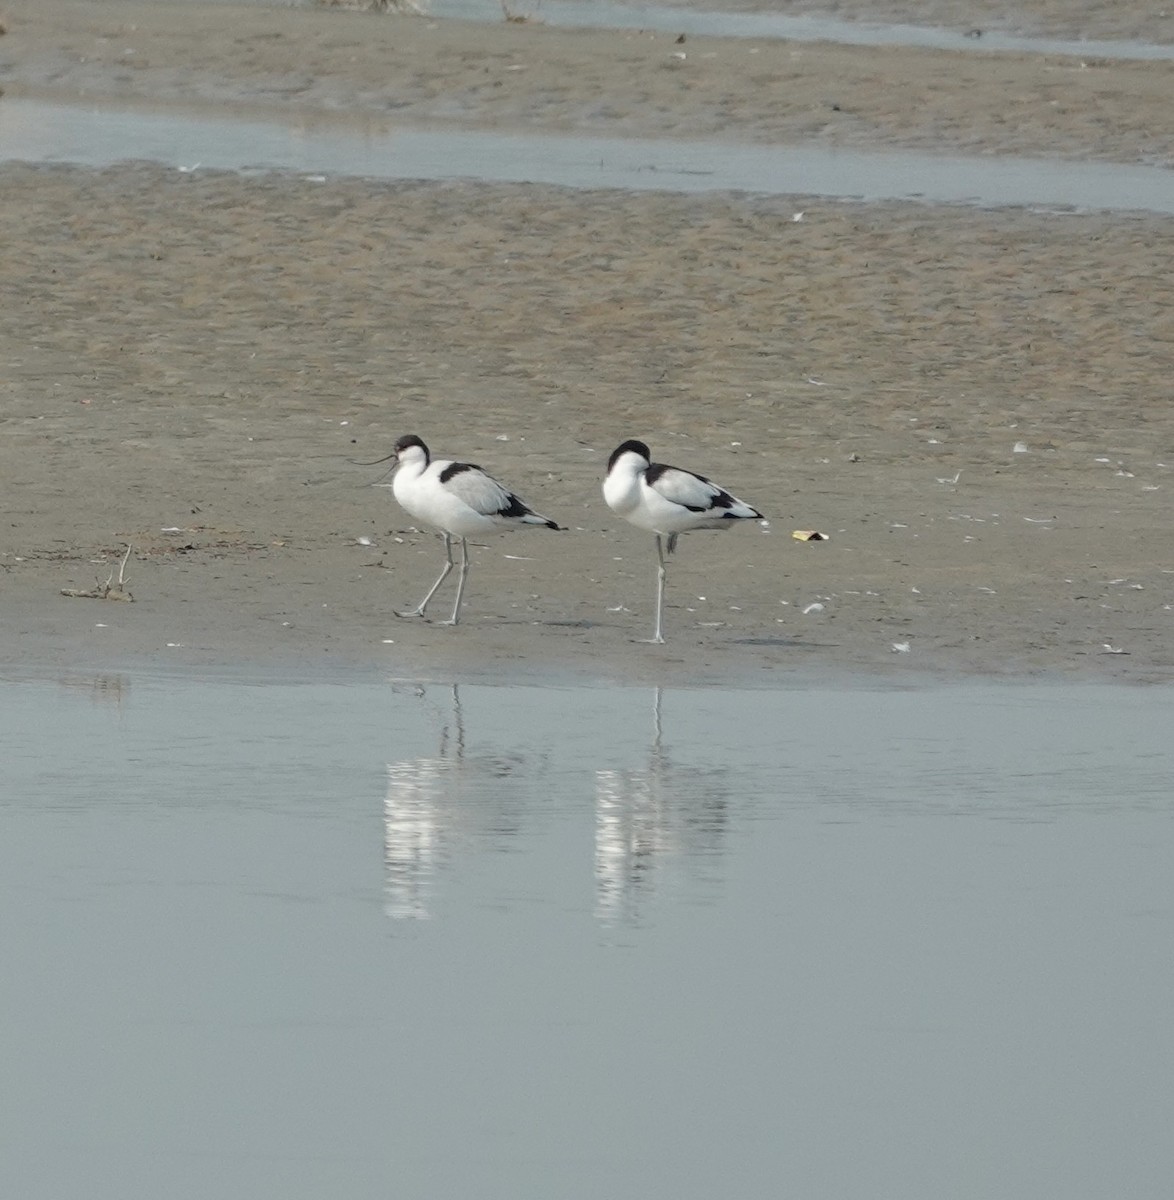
(456, 468)
(513, 507)
(655, 471)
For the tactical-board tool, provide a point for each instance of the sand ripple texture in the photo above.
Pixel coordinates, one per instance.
(971, 404)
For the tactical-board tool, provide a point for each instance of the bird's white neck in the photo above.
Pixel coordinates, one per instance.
(621, 487)
(413, 462)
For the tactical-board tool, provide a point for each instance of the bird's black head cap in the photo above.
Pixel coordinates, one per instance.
(629, 447)
(410, 439)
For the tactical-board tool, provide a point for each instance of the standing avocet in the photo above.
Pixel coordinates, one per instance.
(459, 499)
(668, 501)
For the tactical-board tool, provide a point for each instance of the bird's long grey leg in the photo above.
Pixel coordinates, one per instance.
(657, 637)
(456, 608)
(418, 611)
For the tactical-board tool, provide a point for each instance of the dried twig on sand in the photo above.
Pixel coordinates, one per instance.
(112, 589)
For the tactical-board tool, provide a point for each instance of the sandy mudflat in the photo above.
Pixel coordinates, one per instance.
(190, 360)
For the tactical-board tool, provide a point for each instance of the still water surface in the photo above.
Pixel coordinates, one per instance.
(98, 136)
(697, 21)
(282, 941)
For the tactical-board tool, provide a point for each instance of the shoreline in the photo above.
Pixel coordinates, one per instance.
(76, 662)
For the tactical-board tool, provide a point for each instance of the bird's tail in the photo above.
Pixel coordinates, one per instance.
(516, 509)
(533, 518)
(743, 512)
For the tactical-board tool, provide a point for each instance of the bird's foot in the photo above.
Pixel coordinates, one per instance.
(652, 641)
(412, 612)
(449, 621)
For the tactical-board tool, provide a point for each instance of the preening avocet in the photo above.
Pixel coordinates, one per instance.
(459, 499)
(668, 501)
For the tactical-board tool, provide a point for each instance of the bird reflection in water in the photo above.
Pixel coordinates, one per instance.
(646, 818)
(414, 839)
(102, 689)
(436, 801)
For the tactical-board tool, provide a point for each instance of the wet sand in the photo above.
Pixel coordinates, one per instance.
(191, 360)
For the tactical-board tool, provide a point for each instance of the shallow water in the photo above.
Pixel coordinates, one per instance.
(364, 939)
(601, 14)
(696, 20)
(32, 131)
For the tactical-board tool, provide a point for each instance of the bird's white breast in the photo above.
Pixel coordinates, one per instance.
(621, 491)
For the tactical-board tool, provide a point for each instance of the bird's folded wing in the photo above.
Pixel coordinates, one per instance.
(479, 491)
(684, 488)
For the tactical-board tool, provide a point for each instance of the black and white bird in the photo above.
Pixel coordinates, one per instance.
(459, 499)
(668, 501)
